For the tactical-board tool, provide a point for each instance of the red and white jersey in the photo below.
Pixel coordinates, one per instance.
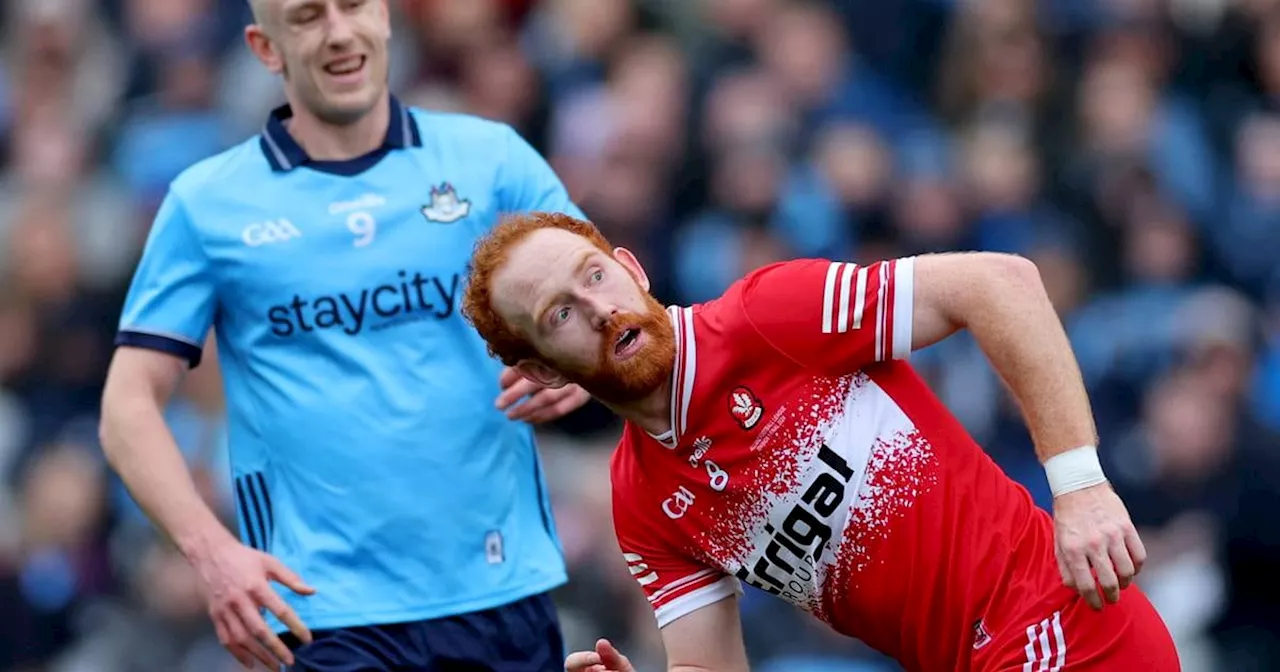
(807, 459)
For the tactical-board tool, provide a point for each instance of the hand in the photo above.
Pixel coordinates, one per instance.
(1093, 530)
(236, 579)
(544, 405)
(604, 659)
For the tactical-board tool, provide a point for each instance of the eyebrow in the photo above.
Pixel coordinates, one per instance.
(583, 259)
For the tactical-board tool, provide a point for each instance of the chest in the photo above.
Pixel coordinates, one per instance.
(343, 251)
(786, 460)
(773, 453)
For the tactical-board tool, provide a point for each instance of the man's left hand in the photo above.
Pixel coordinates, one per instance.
(1094, 536)
(543, 404)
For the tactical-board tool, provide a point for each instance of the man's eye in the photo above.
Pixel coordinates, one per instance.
(561, 315)
(597, 276)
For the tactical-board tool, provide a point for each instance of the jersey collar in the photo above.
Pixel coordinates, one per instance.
(284, 153)
(682, 375)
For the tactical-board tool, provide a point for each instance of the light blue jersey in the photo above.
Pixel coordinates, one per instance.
(364, 443)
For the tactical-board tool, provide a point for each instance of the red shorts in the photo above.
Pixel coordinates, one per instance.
(1071, 637)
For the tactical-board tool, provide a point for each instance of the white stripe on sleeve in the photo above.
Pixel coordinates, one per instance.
(903, 304)
(846, 279)
(829, 297)
(688, 603)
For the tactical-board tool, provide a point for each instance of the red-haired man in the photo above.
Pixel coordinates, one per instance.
(776, 436)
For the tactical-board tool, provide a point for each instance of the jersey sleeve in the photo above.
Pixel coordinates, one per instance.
(674, 584)
(171, 300)
(528, 184)
(833, 316)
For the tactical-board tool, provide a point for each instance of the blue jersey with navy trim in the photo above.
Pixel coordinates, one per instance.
(366, 451)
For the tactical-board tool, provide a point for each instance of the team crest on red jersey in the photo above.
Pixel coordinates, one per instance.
(745, 407)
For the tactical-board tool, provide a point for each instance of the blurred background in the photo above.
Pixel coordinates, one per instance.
(1130, 147)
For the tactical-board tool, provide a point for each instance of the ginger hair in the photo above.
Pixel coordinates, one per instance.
(491, 253)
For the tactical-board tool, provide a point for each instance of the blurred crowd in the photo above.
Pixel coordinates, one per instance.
(1130, 147)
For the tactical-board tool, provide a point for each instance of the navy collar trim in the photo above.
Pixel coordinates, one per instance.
(284, 153)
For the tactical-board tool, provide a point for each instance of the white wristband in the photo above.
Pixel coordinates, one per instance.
(1075, 469)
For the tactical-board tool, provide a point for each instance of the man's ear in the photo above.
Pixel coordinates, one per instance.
(541, 373)
(629, 262)
(262, 47)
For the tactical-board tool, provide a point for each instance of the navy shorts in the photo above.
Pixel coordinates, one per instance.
(523, 636)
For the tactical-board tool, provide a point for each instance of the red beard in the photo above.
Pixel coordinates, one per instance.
(633, 379)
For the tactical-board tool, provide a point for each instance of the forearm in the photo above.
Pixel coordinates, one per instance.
(140, 448)
(1017, 328)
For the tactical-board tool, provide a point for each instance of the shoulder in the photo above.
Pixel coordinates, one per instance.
(759, 291)
(456, 127)
(776, 278)
(224, 173)
(785, 294)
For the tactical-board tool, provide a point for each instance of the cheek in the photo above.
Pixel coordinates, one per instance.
(377, 26)
(294, 58)
(576, 348)
(630, 295)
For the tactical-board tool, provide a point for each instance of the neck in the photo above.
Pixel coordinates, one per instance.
(652, 413)
(324, 141)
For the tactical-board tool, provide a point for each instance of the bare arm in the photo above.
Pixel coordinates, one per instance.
(707, 640)
(1001, 300)
(141, 449)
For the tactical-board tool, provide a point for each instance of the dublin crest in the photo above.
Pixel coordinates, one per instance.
(445, 206)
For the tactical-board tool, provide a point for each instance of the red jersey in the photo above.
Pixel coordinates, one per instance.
(809, 460)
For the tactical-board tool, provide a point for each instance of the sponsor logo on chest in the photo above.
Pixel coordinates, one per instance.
(785, 558)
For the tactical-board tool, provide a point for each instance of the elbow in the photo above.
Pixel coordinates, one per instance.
(1016, 266)
(1012, 272)
(121, 414)
(107, 423)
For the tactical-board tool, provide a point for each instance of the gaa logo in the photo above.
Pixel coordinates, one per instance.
(745, 407)
(265, 233)
(678, 503)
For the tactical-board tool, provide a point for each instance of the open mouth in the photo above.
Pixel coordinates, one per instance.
(345, 66)
(626, 342)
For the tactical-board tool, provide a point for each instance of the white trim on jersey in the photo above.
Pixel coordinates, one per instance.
(1046, 646)
(679, 583)
(904, 287)
(690, 370)
(882, 315)
(668, 438)
(860, 297)
(171, 335)
(829, 296)
(837, 320)
(639, 569)
(688, 603)
(682, 374)
(844, 302)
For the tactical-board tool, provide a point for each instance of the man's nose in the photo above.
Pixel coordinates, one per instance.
(601, 311)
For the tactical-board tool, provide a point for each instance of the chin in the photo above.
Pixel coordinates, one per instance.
(346, 108)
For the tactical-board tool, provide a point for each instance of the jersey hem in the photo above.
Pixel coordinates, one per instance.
(723, 589)
(336, 621)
